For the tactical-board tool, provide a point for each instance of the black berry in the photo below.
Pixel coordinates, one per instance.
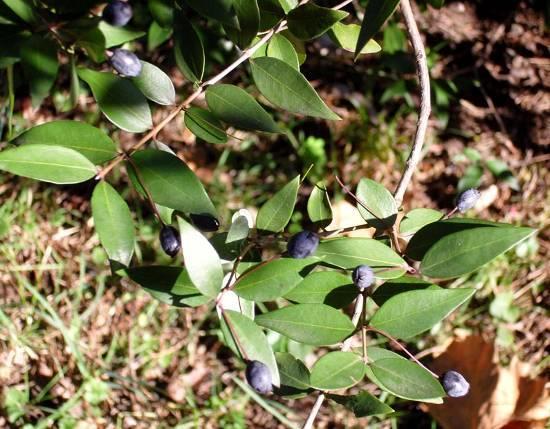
(363, 276)
(455, 384)
(126, 63)
(303, 244)
(205, 222)
(467, 200)
(259, 377)
(170, 240)
(117, 13)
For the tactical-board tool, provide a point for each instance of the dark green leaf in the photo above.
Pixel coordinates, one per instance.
(280, 47)
(271, 12)
(205, 125)
(188, 48)
(376, 13)
(24, 9)
(382, 209)
(319, 209)
(309, 21)
(113, 223)
(55, 164)
(346, 36)
(276, 212)
(396, 286)
(288, 89)
(90, 141)
(315, 324)
(363, 404)
(411, 313)
(115, 36)
(119, 100)
(324, 287)
(157, 35)
(337, 370)
(155, 84)
(248, 16)
(162, 12)
(293, 371)
(220, 10)
(417, 219)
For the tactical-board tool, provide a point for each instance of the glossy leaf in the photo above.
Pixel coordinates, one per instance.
(276, 212)
(315, 324)
(188, 48)
(271, 12)
(119, 100)
(337, 370)
(376, 13)
(171, 182)
(201, 260)
(220, 10)
(411, 313)
(397, 286)
(272, 279)
(309, 21)
(90, 141)
(170, 285)
(116, 36)
(54, 164)
(319, 209)
(363, 404)
(281, 48)
(293, 372)
(465, 251)
(248, 16)
(346, 36)
(205, 125)
(252, 342)
(348, 253)
(382, 209)
(155, 84)
(235, 106)
(406, 379)
(417, 219)
(287, 88)
(113, 223)
(324, 287)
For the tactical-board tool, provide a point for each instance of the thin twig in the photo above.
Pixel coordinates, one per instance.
(148, 195)
(347, 190)
(425, 101)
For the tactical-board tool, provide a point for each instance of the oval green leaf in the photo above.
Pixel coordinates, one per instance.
(275, 214)
(417, 219)
(337, 370)
(324, 287)
(155, 84)
(396, 286)
(188, 49)
(115, 36)
(363, 404)
(309, 21)
(382, 209)
(280, 47)
(205, 125)
(293, 372)
(248, 16)
(319, 209)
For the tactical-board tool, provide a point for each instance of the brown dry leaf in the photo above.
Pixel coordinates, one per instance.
(499, 397)
(345, 215)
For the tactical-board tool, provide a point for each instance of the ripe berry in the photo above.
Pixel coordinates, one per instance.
(467, 200)
(126, 63)
(170, 240)
(205, 222)
(303, 244)
(455, 384)
(363, 276)
(259, 377)
(117, 13)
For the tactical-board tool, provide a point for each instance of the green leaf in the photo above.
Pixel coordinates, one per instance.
(503, 307)
(281, 48)
(162, 12)
(293, 371)
(271, 12)
(201, 260)
(155, 84)
(248, 16)
(115, 36)
(171, 182)
(309, 21)
(363, 404)
(39, 60)
(376, 13)
(205, 125)
(288, 89)
(382, 209)
(315, 324)
(170, 285)
(239, 228)
(119, 100)
(91, 39)
(348, 253)
(276, 212)
(411, 313)
(324, 287)
(396, 286)
(220, 10)
(113, 223)
(471, 178)
(157, 35)
(346, 36)
(417, 219)
(188, 49)
(319, 209)
(24, 9)
(235, 106)
(90, 141)
(337, 370)
(272, 279)
(465, 251)
(406, 379)
(252, 342)
(54, 164)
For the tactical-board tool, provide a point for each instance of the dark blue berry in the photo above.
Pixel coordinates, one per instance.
(363, 276)
(455, 384)
(259, 377)
(467, 200)
(126, 63)
(117, 13)
(205, 222)
(170, 240)
(303, 244)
